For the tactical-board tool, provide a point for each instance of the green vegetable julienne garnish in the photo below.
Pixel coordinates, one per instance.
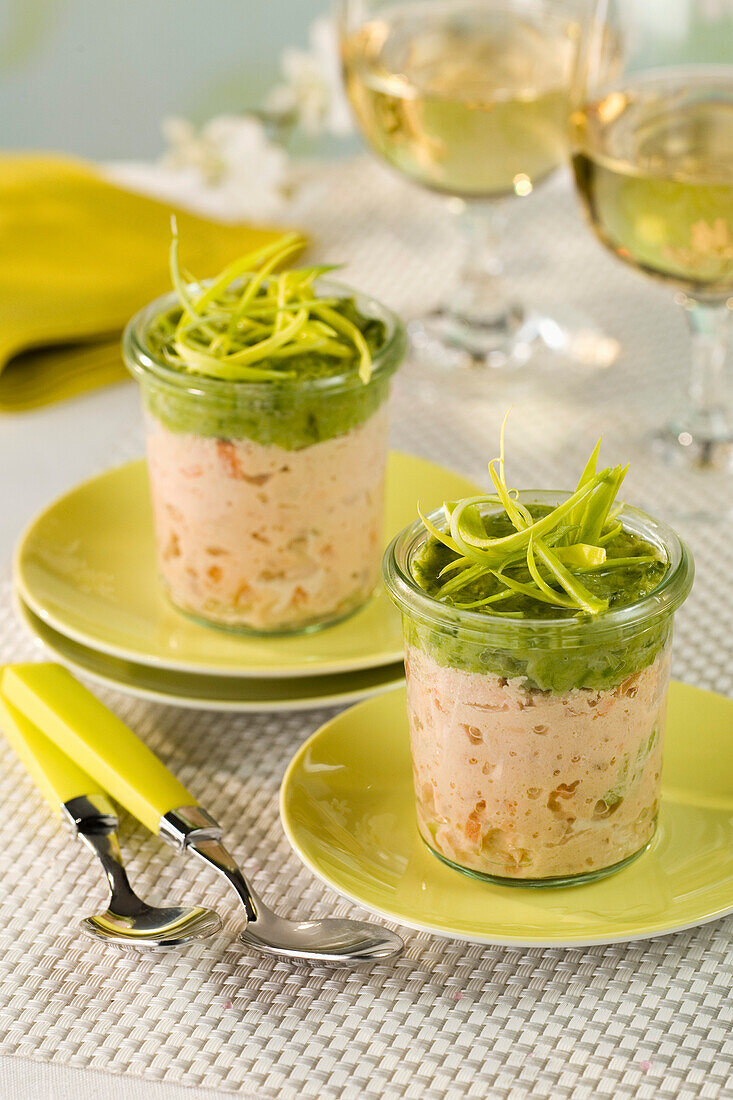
(574, 557)
(253, 321)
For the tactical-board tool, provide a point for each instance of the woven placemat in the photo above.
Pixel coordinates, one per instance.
(448, 1019)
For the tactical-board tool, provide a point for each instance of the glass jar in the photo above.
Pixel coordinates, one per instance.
(537, 743)
(267, 497)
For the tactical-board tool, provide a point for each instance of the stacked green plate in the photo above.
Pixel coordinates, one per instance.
(86, 587)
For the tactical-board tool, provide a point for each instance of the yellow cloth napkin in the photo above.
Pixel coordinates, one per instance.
(78, 256)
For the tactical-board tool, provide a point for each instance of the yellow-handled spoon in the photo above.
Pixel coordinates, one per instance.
(81, 726)
(82, 804)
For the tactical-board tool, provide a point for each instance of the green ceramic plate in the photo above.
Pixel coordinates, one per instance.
(86, 567)
(230, 693)
(347, 808)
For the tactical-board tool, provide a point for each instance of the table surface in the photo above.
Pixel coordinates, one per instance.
(448, 1019)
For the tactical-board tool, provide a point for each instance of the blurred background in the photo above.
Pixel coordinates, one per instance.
(96, 79)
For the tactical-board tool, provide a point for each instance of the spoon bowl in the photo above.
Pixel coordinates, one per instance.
(129, 920)
(151, 926)
(335, 941)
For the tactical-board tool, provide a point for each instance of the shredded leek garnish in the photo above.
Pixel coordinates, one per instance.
(253, 319)
(545, 558)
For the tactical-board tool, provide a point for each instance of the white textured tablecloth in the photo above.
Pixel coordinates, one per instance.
(447, 1020)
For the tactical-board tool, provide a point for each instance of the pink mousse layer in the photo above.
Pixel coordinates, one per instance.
(264, 538)
(533, 785)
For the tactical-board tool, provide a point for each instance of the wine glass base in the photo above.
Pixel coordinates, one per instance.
(682, 448)
(450, 342)
(667, 479)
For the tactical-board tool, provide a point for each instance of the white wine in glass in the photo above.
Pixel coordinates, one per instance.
(653, 159)
(469, 98)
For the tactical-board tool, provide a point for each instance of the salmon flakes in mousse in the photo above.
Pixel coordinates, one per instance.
(265, 393)
(538, 630)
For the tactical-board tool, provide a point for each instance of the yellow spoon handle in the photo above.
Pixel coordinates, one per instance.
(57, 777)
(96, 739)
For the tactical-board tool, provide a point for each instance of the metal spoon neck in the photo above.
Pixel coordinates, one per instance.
(129, 920)
(336, 941)
(216, 855)
(93, 819)
(191, 828)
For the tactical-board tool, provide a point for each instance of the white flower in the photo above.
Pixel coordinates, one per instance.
(313, 89)
(231, 161)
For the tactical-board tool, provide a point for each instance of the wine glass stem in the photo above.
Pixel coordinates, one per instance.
(480, 298)
(709, 410)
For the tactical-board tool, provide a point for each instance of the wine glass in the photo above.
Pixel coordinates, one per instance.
(652, 150)
(469, 98)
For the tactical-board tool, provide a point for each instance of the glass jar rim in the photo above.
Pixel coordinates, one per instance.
(144, 364)
(664, 600)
